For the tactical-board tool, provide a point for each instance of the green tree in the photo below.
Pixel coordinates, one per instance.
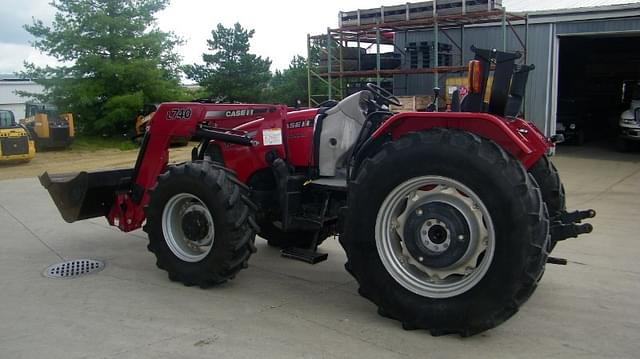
(230, 71)
(289, 85)
(114, 59)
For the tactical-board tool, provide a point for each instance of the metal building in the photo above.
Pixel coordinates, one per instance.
(584, 51)
(579, 34)
(10, 100)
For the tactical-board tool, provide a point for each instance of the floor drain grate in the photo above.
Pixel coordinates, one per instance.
(74, 268)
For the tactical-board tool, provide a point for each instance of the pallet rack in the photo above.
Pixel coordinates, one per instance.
(329, 82)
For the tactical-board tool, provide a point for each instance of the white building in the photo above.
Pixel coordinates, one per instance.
(9, 100)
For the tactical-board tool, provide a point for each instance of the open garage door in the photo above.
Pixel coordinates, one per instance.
(592, 72)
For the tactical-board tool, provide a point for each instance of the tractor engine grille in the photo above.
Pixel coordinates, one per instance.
(14, 146)
(59, 134)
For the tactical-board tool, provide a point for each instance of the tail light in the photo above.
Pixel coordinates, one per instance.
(475, 76)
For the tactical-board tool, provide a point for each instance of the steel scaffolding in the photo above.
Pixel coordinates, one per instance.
(327, 78)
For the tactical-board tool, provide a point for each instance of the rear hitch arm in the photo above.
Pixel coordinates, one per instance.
(569, 224)
(560, 231)
(576, 216)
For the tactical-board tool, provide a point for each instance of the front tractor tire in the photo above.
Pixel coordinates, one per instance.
(200, 224)
(446, 232)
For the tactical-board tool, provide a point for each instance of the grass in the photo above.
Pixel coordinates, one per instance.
(96, 143)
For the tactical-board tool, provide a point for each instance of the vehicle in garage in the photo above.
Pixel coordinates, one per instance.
(573, 119)
(630, 119)
(596, 80)
(447, 218)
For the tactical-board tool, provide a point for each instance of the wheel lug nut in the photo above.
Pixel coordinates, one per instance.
(461, 238)
(419, 212)
(421, 259)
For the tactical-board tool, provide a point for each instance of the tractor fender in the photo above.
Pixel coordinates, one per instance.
(517, 136)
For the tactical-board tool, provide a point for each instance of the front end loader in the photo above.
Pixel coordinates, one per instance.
(447, 219)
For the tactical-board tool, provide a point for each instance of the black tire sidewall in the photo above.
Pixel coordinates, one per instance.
(497, 288)
(214, 267)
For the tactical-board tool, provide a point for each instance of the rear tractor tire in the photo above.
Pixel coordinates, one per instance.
(448, 232)
(551, 188)
(200, 224)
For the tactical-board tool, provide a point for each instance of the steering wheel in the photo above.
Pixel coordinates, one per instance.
(384, 95)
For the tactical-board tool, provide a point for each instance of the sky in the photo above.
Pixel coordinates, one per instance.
(281, 27)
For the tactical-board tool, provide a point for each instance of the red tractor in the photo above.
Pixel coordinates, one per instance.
(447, 218)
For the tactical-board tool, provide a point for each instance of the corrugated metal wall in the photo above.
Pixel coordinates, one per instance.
(539, 103)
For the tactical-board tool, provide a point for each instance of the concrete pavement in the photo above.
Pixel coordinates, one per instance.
(281, 308)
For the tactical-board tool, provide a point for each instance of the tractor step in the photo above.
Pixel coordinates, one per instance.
(304, 254)
(331, 183)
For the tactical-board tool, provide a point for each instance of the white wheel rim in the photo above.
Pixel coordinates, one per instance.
(405, 268)
(179, 243)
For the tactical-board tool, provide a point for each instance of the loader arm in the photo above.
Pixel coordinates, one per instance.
(121, 195)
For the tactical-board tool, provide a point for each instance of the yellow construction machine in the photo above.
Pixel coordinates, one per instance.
(15, 144)
(48, 128)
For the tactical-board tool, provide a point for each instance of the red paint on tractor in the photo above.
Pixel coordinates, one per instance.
(520, 138)
(290, 135)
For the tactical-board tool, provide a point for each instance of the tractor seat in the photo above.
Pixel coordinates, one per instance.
(338, 133)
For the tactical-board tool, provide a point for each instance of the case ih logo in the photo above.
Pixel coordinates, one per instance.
(239, 113)
(300, 124)
(245, 112)
(179, 114)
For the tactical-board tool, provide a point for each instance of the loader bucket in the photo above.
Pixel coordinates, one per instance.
(84, 195)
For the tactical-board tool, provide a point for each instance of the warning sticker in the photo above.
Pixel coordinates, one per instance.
(272, 137)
